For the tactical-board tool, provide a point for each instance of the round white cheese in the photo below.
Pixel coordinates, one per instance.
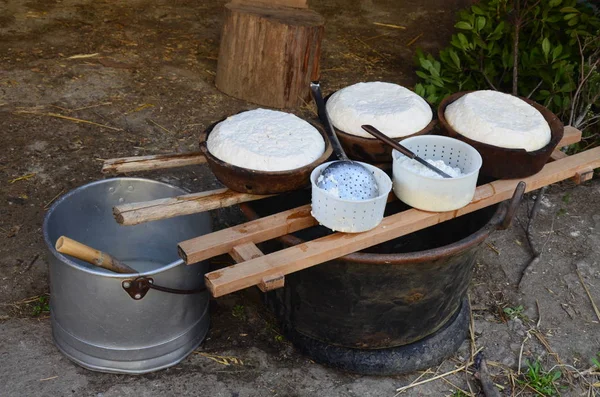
(394, 110)
(499, 119)
(266, 140)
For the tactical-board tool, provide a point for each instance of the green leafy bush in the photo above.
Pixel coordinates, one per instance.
(554, 39)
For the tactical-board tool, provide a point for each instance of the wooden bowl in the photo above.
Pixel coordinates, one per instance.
(372, 150)
(504, 163)
(246, 180)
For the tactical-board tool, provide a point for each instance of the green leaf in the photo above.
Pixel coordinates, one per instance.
(569, 9)
(546, 47)
(437, 83)
(455, 58)
(557, 100)
(573, 21)
(567, 87)
(554, 3)
(463, 25)
(480, 23)
(455, 42)
(478, 11)
(426, 63)
(430, 89)
(480, 42)
(445, 57)
(422, 75)
(569, 16)
(419, 89)
(463, 41)
(499, 28)
(557, 51)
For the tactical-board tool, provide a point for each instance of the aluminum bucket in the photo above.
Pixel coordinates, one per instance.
(95, 322)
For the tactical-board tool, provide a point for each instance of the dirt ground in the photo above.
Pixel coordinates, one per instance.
(148, 89)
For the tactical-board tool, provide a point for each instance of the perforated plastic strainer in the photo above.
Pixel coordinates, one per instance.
(348, 215)
(436, 194)
(345, 179)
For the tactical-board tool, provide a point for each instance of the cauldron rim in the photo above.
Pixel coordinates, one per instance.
(409, 257)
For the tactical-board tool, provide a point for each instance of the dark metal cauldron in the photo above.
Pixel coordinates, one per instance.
(394, 308)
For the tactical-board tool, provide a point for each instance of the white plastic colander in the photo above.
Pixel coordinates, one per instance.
(346, 215)
(436, 194)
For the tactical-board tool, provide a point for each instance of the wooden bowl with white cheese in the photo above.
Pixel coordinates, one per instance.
(515, 136)
(264, 151)
(393, 109)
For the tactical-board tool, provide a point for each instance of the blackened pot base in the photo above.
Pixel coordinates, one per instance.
(425, 353)
(371, 311)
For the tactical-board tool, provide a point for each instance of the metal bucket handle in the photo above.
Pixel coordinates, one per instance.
(138, 287)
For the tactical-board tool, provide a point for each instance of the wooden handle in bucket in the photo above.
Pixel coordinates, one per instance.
(73, 248)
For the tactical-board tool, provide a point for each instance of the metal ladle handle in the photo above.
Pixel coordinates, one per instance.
(405, 151)
(315, 88)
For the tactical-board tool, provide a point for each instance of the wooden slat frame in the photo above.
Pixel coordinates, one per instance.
(289, 260)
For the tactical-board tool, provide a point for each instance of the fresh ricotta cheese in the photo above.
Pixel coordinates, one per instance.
(266, 140)
(394, 110)
(420, 169)
(499, 119)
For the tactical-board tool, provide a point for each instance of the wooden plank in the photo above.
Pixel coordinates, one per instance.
(245, 252)
(572, 135)
(136, 213)
(557, 155)
(583, 175)
(248, 251)
(154, 162)
(257, 231)
(302, 256)
(263, 229)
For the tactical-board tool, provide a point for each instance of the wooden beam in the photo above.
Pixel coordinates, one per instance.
(557, 155)
(263, 229)
(248, 251)
(136, 213)
(257, 231)
(571, 135)
(154, 162)
(583, 175)
(302, 256)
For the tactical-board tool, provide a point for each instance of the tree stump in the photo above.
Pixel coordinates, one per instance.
(269, 55)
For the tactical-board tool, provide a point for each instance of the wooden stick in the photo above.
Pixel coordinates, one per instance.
(60, 116)
(163, 161)
(136, 213)
(73, 248)
(155, 162)
(587, 291)
(133, 214)
(302, 256)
